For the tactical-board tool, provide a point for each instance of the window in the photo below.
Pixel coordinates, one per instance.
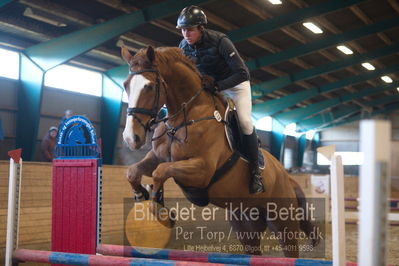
(310, 134)
(9, 64)
(290, 130)
(74, 79)
(348, 158)
(264, 123)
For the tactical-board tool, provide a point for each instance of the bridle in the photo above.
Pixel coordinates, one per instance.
(154, 111)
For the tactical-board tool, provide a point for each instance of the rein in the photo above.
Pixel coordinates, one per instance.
(154, 113)
(171, 131)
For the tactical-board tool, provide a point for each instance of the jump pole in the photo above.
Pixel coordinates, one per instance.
(96, 260)
(375, 136)
(337, 204)
(206, 257)
(14, 190)
(338, 211)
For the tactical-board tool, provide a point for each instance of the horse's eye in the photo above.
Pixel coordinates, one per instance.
(148, 87)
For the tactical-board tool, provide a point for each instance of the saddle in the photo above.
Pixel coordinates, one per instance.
(233, 133)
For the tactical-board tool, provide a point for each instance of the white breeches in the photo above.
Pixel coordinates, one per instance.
(241, 95)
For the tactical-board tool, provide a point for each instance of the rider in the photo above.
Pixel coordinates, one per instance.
(215, 55)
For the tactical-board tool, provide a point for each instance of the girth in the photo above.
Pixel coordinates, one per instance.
(199, 196)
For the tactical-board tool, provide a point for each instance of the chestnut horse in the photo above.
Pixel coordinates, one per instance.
(190, 144)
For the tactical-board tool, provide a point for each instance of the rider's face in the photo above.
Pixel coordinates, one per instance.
(191, 35)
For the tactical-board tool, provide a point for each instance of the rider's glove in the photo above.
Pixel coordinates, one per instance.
(209, 84)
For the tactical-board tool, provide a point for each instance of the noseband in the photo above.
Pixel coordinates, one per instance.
(153, 112)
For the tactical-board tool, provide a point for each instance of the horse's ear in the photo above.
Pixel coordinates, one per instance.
(151, 54)
(126, 54)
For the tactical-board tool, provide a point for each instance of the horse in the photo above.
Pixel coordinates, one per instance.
(189, 145)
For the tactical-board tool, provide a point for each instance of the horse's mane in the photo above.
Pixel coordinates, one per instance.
(167, 55)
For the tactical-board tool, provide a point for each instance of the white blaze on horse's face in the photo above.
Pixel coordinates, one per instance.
(137, 84)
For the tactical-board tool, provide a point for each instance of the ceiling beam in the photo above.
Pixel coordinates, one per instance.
(353, 44)
(366, 20)
(326, 118)
(57, 51)
(357, 117)
(4, 2)
(298, 114)
(263, 15)
(277, 83)
(274, 106)
(333, 29)
(32, 31)
(328, 25)
(128, 8)
(322, 43)
(382, 101)
(82, 20)
(288, 19)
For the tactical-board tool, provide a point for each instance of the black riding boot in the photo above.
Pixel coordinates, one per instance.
(256, 182)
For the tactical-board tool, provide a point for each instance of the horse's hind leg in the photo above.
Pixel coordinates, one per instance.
(306, 225)
(287, 232)
(249, 233)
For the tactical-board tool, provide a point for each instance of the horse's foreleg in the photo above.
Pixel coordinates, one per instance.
(137, 170)
(192, 172)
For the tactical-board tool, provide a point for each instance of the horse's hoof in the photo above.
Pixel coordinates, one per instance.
(143, 194)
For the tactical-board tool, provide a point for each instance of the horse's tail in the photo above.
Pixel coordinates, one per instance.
(306, 225)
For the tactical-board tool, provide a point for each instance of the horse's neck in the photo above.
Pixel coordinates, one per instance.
(182, 86)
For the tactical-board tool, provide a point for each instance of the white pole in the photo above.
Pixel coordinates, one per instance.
(14, 185)
(338, 211)
(375, 136)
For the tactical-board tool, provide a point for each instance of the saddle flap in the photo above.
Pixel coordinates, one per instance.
(234, 133)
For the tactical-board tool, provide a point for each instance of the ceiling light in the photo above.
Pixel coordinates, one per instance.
(368, 66)
(397, 88)
(312, 27)
(275, 2)
(386, 79)
(40, 16)
(344, 49)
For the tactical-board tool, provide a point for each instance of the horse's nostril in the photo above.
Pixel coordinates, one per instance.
(136, 138)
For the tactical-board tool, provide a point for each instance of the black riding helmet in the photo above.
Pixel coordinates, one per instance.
(191, 16)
